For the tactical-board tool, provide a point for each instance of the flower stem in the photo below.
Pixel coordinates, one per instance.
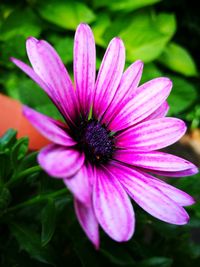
(37, 199)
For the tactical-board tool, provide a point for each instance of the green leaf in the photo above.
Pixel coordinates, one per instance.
(6, 167)
(5, 197)
(145, 34)
(117, 254)
(5, 11)
(50, 110)
(124, 5)
(19, 150)
(190, 185)
(117, 26)
(66, 14)
(8, 139)
(29, 241)
(194, 116)
(64, 47)
(156, 262)
(29, 161)
(99, 28)
(182, 96)
(194, 250)
(48, 219)
(178, 59)
(20, 87)
(15, 47)
(129, 5)
(84, 250)
(20, 22)
(150, 72)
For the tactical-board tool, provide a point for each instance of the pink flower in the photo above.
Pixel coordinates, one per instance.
(108, 144)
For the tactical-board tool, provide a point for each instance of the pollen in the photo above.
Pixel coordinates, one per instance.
(96, 141)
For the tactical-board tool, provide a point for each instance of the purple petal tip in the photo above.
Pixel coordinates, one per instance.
(12, 59)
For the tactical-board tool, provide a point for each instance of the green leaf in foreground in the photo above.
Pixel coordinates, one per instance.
(66, 14)
(182, 96)
(48, 222)
(5, 198)
(178, 59)
(8, 139)
(19, 150)
(29, 241)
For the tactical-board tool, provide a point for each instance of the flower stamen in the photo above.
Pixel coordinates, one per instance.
(96, 142)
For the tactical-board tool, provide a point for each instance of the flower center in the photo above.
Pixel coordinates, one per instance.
(96, 141)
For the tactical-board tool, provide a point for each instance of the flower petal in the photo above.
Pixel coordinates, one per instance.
(84, 66)
(31, 73)
(179, 196)
(148, 98)
(60, 161)
(88, 221)
(81, 184)
(149, 197)
(109, 76)
(50, 128)
(190, 171)
(159, 113)
(153, 160)
(129, 82)
(112, 207)
(152, 135)
(49, 67)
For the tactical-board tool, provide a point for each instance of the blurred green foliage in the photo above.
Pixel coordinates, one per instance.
(37, 223)
(147, 28)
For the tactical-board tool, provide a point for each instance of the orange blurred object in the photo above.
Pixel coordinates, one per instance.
(11, 117)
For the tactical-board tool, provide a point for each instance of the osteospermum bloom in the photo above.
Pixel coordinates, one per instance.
(106, 150)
